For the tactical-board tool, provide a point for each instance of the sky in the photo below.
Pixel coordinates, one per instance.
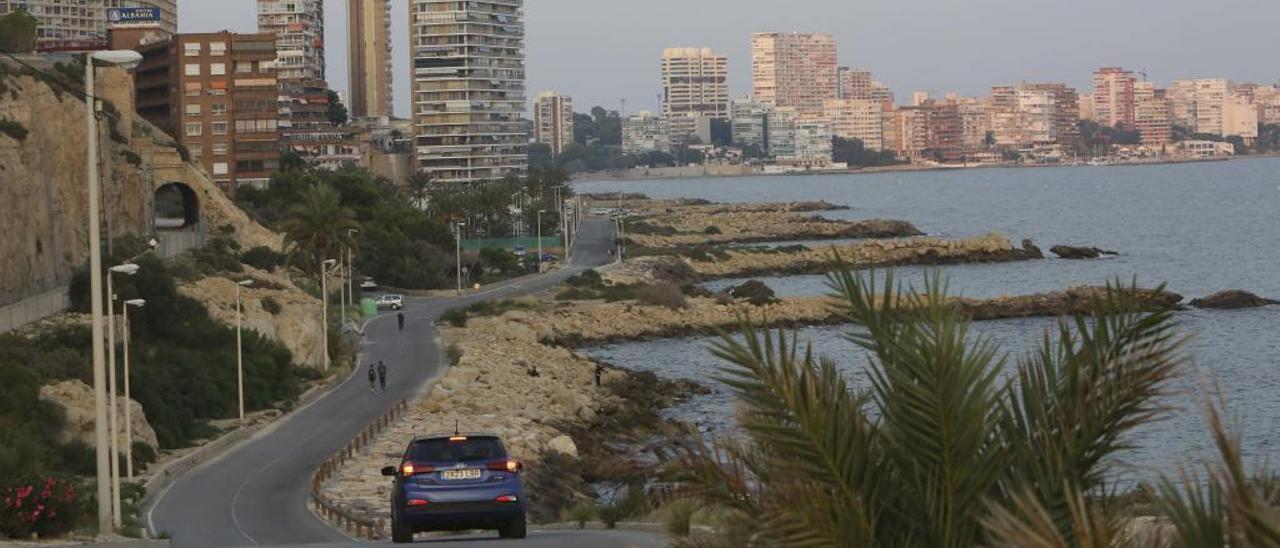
(601, 52)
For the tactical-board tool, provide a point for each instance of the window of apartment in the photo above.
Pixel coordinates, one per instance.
(196, 152)
(193, 110)
(219, 149)
(191, 49)
(217, 69)
(195, 129)
(219, 168)
(192, 89)
(218, 128)
(217, 48)
(217, 88)
(192, 69)
(243, 67)
(218, 109)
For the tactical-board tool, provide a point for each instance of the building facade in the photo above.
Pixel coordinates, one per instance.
(1154, 120)
(469, 88)
(749, 123)
(861, 119)
(553, 121)
(645, 132)
(854, 83)
(794, 70)
(1113, 97)
(298, 26)
(369, 50)
(82, 24)
(216, 94)
(694, 88)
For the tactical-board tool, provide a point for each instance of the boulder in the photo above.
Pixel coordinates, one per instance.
(1031, 249)
(1232, 300)
(755, 292)
(1075, 252)
(76, 400)
(563, 444)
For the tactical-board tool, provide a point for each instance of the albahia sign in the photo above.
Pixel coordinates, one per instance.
(133, 17)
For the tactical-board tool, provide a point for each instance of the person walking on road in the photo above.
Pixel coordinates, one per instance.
(373, 375)
(400, 318)
(382, 375)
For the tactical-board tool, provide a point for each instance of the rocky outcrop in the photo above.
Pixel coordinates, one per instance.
(992, 248)
(296, 325)
(76, 400)
(695, 226)
(1232, 300)
(1078, 252)
(594, 322)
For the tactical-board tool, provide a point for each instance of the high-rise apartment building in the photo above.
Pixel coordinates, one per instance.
(749, 123)
(82, 24)
(1154, 120)
(468, 88)
(553, 121)
(645, 132)
(861, 119)
(1240, 119)
(794, 70)
(298, 26)
(1065, 125)
(369, 36)
(1113, 96)
(217, 95)
(1209, 99)
(799, 141)
(853, 83)
(694, 87)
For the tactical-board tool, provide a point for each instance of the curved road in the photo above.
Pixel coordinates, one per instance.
(257, 494)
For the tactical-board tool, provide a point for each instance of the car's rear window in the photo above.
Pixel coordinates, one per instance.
(468, 450)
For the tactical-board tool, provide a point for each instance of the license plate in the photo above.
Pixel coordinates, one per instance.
(465, 473)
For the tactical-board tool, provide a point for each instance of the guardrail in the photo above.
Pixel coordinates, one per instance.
(354, 522)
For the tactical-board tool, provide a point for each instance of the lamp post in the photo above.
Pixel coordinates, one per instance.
(325, 265)
(128, 411)
(457, 234)
(127, 59)
(240, 348)
(351, 272)
(127, 269)
(540, 211)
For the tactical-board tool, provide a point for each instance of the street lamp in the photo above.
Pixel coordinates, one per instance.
(127, 59)
(457, 233)
(351, 273)
(240, 348)
(127, 269)
(325, 265)
(128, 411)
(540, 212)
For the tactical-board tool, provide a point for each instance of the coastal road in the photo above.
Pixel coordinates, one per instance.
(257, 494)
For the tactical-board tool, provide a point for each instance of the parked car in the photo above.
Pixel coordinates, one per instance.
(549, 258)
(456, 482)
(391, 300)
(368, 284)
(519, 251)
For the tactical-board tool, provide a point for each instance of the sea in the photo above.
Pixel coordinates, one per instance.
(1198, 228)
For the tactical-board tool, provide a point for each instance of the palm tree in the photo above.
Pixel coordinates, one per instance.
(942, 450)
(318, 228)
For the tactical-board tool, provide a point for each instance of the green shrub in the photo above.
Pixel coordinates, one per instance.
(131, 157)
(13, 129)
(754, 291)
(262, 258)
(218, 256)
(711, 230)
(185, 268)
(643, 227)
(680, 517)
(18, 32)
(453, 353)
(580, 513)
(588, 278)
(271, 306)
(498, 308)
(43, 505)
(456, 317)
(662, 294)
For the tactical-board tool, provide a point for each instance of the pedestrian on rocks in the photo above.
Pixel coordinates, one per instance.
(400, 318)
(599, 371)
(373, 376)
(382, 375)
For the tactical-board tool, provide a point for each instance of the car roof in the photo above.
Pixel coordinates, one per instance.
(447, 435)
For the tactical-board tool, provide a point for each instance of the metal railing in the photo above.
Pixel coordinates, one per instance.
(355, 522)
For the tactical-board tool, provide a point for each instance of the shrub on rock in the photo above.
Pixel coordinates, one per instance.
(755, 292)
(663, 294)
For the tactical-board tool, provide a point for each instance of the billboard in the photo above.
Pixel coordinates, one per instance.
(118, 18)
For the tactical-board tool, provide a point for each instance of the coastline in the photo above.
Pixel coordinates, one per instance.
(606, 177)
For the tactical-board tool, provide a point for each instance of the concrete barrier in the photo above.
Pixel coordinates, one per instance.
(34, 308)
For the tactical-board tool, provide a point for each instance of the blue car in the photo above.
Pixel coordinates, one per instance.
(456, 482)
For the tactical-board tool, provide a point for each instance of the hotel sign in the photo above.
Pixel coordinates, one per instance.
(133, 17)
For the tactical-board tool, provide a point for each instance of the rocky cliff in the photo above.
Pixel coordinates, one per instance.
(296, 323)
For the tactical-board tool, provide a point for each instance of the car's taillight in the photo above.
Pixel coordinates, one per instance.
(504, 465)
(410, 469)
(416, 502)
(506, 498)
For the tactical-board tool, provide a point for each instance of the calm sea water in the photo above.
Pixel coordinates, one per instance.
(1200, 228)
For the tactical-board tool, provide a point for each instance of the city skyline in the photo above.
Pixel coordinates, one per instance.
(965, 49)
